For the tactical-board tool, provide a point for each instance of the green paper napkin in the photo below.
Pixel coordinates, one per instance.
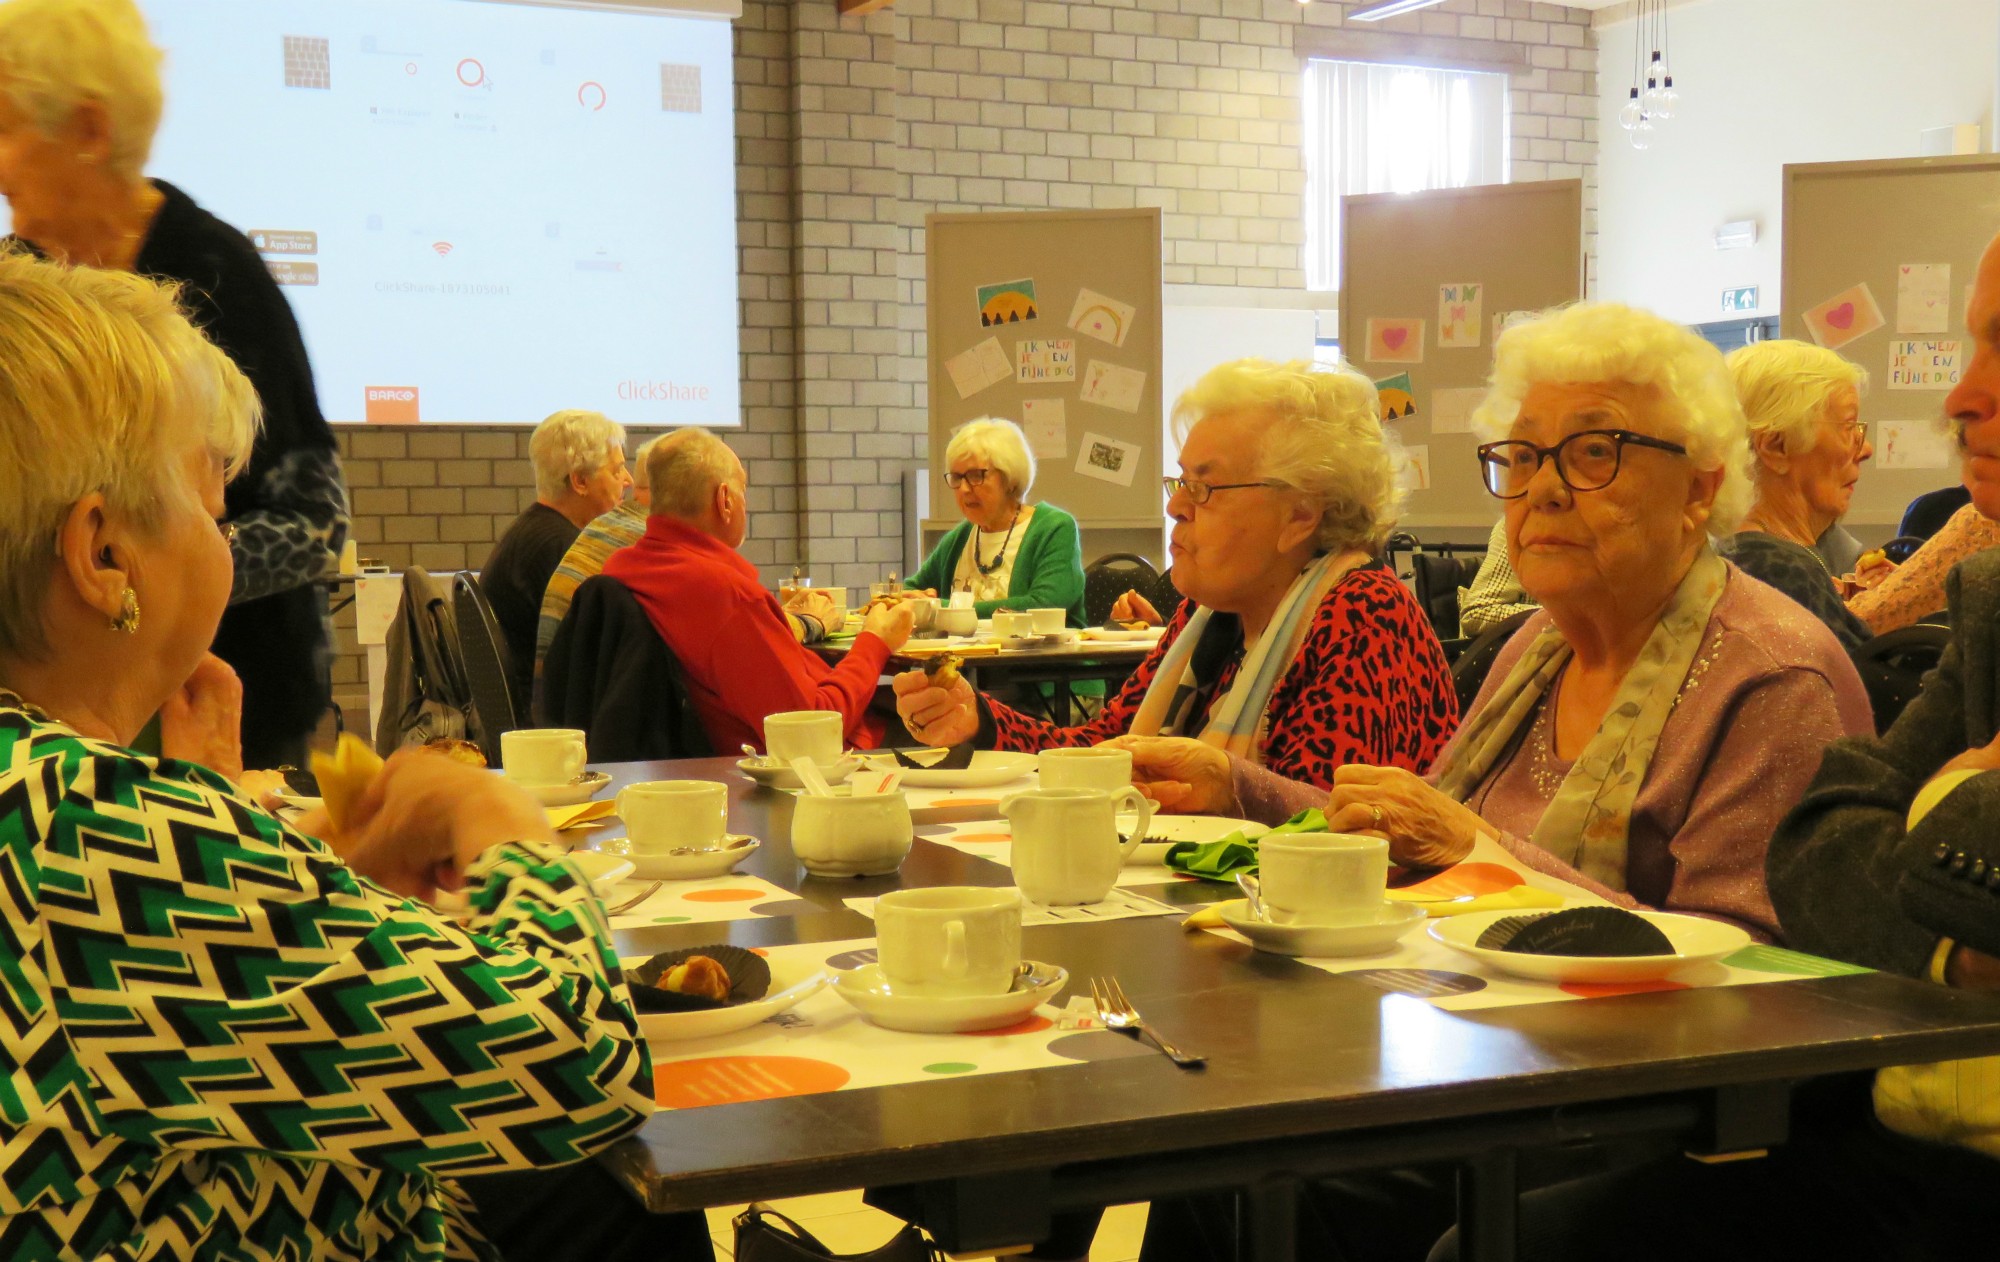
(1223, 858)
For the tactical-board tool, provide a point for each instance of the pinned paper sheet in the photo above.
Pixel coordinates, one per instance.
(1912, 445)
(1923, 298)
(1925, 364)
(1849, 314)
(1107, 459)
(1045, 359)
(1452, 409)
(1047, 428)
(1009, 302)
(1413, 468)
(1458, 315)
(1395, 342)
(1394, 395)
(1112, 386)
(982, 366)
(377, 597)
(1106, 319)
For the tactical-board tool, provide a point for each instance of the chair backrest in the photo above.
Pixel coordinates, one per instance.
(1893, 667)
(488, 668)
(1469, 672)
(1109, 577)
(1437, 579)
(609, 673)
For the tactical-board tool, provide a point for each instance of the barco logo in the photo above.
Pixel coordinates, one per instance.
(391, 405)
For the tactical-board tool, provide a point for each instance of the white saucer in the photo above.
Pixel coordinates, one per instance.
(1695, 939)
(789, 987)
(1179, 828)
(1392, 921)
(651, 866)
(1068, 635)
(990, 768)
(586, 786)
(603, 870)
(867, 989)
(1121, 636)
(777, 776)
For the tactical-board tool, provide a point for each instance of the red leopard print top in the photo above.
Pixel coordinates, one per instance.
(1370, 685)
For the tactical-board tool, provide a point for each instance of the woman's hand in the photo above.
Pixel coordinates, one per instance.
(1132, 607)
(202, 722)
(936, 716)
(814, 603)
(1425, 829)
(423, 821)
(891, 623)
(1185, 776)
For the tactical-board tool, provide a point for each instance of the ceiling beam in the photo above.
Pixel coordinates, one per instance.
(855, 8)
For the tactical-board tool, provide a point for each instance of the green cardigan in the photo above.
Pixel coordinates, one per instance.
(1048, 566)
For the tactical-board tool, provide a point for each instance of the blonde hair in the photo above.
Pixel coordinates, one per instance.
(684, 469)
(1003, 447)
(1786, 386)
(103, 385)
(1591, 343)
(57, 55)
(571, 441)
(1325, 441)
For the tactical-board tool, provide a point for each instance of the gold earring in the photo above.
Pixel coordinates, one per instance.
(128, 613)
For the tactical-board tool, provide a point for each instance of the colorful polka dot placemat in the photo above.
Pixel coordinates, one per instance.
(825, 1044)
(1421, 967)
(735, 897)
(993, 840)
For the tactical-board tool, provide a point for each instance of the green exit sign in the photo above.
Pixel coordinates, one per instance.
(1744, 299)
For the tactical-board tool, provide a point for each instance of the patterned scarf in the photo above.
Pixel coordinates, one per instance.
(1588, 820)
(1239, 723)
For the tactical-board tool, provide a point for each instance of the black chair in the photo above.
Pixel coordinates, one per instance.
(1468, 673)
(1109, 577)
(1893, 667)
(1165, 596)
(488, 668)
(609, 673)
(1437, 579)
(1928, 513)
(1902, 548)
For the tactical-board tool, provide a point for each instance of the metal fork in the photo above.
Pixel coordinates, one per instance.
(641, 897)
(1117, 1013)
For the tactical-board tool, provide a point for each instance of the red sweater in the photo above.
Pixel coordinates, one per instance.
(735, 647)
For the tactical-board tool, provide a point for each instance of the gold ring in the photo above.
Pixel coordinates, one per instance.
(1378, 815)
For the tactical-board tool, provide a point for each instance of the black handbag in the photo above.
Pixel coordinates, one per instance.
(765, 1235)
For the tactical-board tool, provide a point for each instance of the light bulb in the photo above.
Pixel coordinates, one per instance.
(1662, 104)
(1642, 135)
(1629, 116)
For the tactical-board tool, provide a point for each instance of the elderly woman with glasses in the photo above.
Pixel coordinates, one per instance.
(1007, 553)
(1642, 735)
(1803, 406)
(1295, 649)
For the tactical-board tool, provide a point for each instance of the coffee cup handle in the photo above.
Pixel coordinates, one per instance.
(955, 962)
(573, 765)
(1144, 806)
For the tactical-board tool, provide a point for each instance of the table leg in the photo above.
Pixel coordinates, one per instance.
(1269, 1228)
(1489, 1207)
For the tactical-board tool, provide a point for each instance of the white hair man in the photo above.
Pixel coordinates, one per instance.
(580, 475)
(741, 659)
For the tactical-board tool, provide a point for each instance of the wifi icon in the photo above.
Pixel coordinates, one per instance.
(442, 247)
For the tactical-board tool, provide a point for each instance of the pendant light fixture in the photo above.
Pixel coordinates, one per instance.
(1656, 101)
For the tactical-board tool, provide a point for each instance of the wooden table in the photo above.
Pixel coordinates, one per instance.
(1062, 666)
(1308, 1075)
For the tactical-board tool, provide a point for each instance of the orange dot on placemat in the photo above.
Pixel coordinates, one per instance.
(1000, 838)
(1029, 1024)
(691, 1084)
(1469, 878)
(722, 896)
(1604, 990)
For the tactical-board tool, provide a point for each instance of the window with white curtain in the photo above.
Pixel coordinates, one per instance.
(1372, 128)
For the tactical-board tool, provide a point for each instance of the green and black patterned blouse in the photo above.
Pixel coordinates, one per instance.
(220, 1042)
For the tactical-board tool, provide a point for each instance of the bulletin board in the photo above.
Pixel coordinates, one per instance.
(1878, 257)
(1427, 280)
(1051, 319)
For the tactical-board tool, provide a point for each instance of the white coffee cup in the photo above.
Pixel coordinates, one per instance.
(851, 834)
(1049, 621)
(663, 814)
(958, 621)
(542, 756)
(1008, 623)
(1066, 847)
(814, 734)
(1322, 878)
(1100, 768)
(949, 940)
(923, 612)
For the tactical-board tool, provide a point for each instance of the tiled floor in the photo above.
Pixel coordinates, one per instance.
(845, 1225)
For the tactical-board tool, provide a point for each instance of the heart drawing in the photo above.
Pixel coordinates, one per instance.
(1394, 338)
(1842, 316)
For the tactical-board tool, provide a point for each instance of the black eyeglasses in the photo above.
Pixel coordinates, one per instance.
(1587, 460)
(971, 477)
(1198, 491)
